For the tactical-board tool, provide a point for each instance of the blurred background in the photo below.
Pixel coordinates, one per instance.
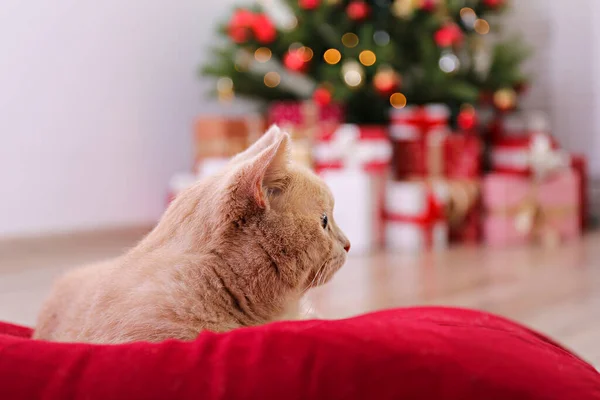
(457, 135)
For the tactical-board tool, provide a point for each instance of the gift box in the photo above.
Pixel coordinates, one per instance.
(415, 215)
(302, 120)
(178, 183)
(520, 210)
(353, 160)
(224, 137)
(424, 147)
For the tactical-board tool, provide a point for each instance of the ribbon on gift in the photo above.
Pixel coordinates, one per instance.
(352, 146)
(434, 212)
(418, 120)
(535, 220)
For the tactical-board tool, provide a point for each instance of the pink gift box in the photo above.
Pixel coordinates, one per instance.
(518, 210)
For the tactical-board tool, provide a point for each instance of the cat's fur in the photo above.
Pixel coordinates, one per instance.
(237, 249)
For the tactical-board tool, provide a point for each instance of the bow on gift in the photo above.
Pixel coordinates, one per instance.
(348, 147)
(434, 212)
(419, 120)
(543, 159)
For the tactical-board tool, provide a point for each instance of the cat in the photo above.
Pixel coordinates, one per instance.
(239, 248)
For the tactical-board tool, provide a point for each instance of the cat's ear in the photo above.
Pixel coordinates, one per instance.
(266, 170)
(260, 145)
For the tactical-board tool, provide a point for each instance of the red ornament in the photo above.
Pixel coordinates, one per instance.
(448, 35)
(322, 96)
(358, 10)
(428, 5)
(386, 81)
(493, 3)
(264, 29)
(309, 4)
(294, 60)
(467, 119)
(521, 87)
(240, 24)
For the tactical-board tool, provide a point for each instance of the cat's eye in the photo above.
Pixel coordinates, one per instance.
(324, 221)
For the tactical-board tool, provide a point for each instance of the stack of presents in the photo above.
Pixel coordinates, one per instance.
(417, 184)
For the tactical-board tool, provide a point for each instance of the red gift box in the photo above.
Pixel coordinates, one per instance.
(455, 156)
(297, 114)
(424, 147)
(302, 120)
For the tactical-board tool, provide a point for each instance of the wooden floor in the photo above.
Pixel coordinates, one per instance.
(556, 291)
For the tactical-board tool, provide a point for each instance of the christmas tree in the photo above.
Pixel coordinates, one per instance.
(371, 55)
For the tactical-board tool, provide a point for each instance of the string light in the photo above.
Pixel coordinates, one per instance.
(350, 40)
(262, 54)
(352, 73)
(291, 24)
(468, 16)
(272, 79)
(295, 46)
(367, 58)
(224, 85)
(332, 56)
(306, 53)
(381, 38)
(482, 26)
(449, 63)
(398, 100)
(225, 89)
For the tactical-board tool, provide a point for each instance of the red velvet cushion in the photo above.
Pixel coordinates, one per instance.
(418, 353)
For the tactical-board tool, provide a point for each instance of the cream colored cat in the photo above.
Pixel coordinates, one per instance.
(237, 249)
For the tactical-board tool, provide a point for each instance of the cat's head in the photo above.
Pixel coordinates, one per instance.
(264, 213)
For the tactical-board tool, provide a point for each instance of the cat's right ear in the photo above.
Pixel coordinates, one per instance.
(267, 139)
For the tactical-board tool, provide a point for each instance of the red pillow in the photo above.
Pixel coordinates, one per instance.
(418, 353)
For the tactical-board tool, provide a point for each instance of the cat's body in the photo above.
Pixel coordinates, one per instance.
(237, 249)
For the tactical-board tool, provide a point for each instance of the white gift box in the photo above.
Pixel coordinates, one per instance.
(415, 216)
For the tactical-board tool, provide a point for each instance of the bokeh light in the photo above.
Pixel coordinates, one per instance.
(482, 26)
(398, 100)
(262, 54)
(332, 56)
(367, 58)
(350, 40)
(272, 79)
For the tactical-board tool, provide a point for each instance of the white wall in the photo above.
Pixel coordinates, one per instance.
(97, 99)
(566, 37)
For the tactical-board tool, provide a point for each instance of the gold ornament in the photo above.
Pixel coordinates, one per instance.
(405, 8)
(505, 99)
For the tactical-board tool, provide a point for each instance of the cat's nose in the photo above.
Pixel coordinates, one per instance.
(347, 246)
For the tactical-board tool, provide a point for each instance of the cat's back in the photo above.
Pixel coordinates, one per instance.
(66, 309)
